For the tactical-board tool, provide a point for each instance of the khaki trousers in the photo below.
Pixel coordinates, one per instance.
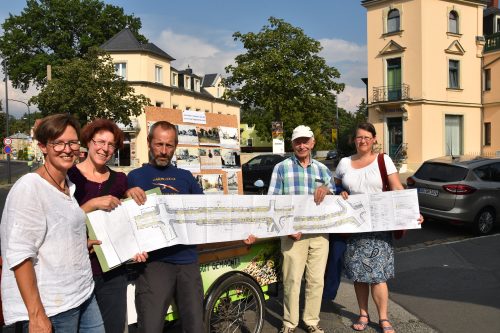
(308, 254)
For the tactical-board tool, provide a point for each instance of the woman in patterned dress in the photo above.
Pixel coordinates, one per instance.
(369, 257)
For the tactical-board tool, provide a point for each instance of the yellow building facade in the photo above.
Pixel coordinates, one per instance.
(491, 80)
(425, 77)
(149, 71)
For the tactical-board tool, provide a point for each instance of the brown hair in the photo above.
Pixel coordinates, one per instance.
(164, 125)
(367, 127)
(98, 125)
(51, 127)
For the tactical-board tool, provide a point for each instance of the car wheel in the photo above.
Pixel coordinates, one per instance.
(485, 221)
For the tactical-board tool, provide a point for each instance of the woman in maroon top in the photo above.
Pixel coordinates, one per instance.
(99, 187)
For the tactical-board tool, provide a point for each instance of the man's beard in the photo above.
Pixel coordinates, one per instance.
(162, 162)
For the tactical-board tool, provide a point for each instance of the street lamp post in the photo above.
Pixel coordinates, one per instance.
(30, 163)
(28, 106)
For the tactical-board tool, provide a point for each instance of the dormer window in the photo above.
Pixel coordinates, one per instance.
(158, 74)
(453, 22)
(196, 85)
(187, 82)
(174, 79)
(393, 21)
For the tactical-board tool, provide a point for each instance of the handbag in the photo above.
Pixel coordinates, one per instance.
(398, 234)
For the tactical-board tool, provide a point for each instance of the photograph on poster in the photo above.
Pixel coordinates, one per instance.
(187, 135)
(188, 159)
(230, 159)
(199, 179)
(232, 182)
(208, 136)
(210, 158)
(228, 137)
(211, 183)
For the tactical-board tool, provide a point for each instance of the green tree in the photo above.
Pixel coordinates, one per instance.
(281, 77)
(49, 31)
(88, 88)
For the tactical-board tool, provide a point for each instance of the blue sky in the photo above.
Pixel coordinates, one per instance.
(199, 33)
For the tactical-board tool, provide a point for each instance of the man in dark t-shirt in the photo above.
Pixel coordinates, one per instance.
(171, 271)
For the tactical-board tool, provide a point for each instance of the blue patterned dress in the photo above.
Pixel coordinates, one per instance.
(369, 256)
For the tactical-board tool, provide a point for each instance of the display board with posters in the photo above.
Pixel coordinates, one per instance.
(209, 147)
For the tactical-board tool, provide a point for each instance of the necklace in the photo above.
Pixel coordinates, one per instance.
(62, 189)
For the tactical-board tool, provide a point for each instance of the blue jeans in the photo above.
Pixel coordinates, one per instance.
(85, 318)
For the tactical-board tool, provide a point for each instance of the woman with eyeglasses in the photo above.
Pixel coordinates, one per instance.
(47, 280)
(369, 257)
(99, 187)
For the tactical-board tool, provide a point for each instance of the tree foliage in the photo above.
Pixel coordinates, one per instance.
(49, 31)
(281, 77)
(88, 88)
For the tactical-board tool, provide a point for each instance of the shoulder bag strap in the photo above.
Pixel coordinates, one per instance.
(383, 172)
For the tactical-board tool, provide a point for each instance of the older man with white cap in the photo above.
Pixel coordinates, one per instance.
(301, 174)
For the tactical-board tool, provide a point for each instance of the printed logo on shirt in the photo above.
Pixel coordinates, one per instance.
(165, 187)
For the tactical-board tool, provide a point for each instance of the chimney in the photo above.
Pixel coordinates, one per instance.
(493, 3)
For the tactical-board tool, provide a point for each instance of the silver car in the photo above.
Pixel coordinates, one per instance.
(460, 189)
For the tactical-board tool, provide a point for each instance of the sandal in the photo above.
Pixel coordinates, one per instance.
(360, 323)
(386, 328)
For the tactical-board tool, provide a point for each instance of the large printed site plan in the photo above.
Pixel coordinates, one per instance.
(197, 219)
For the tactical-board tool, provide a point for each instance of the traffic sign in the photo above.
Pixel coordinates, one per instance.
(7, 149)
(7, 141)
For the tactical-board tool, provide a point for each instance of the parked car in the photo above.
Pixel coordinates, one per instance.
(260, 167)
(460, 189)
(331, 155)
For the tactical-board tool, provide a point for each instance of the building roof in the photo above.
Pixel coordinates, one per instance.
(125, 41)
(19, 136)
(209, 80)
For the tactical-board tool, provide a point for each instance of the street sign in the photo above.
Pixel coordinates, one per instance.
(7, 141)
(7, 149)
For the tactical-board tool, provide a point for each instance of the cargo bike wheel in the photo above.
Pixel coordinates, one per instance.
(235, 305)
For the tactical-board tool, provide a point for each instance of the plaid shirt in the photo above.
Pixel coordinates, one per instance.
(290, 177)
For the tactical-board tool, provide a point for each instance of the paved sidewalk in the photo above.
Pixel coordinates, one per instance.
(338, 316)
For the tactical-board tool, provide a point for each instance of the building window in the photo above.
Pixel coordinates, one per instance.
(454, 73)
(187, 83)
(487, 134)
(497, 25)
(393, 21)
(207, 111)
(453, 22)
(188, 108)
(487, 79)
(249, 142)
(175, 106)
(158, 74)
(159, 104)
(174, 79)
(196, 85)
(121, 70)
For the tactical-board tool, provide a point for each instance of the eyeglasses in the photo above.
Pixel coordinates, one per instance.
(59, 146)
(102, 144)
(361, 138)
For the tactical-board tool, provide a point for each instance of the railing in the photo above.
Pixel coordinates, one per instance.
(391, 93)
(492, 42)
(400, 155)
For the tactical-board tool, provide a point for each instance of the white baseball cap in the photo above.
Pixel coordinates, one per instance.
(302, 131)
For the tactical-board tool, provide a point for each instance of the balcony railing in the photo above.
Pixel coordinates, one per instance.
(391, 93)
(492, 42)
